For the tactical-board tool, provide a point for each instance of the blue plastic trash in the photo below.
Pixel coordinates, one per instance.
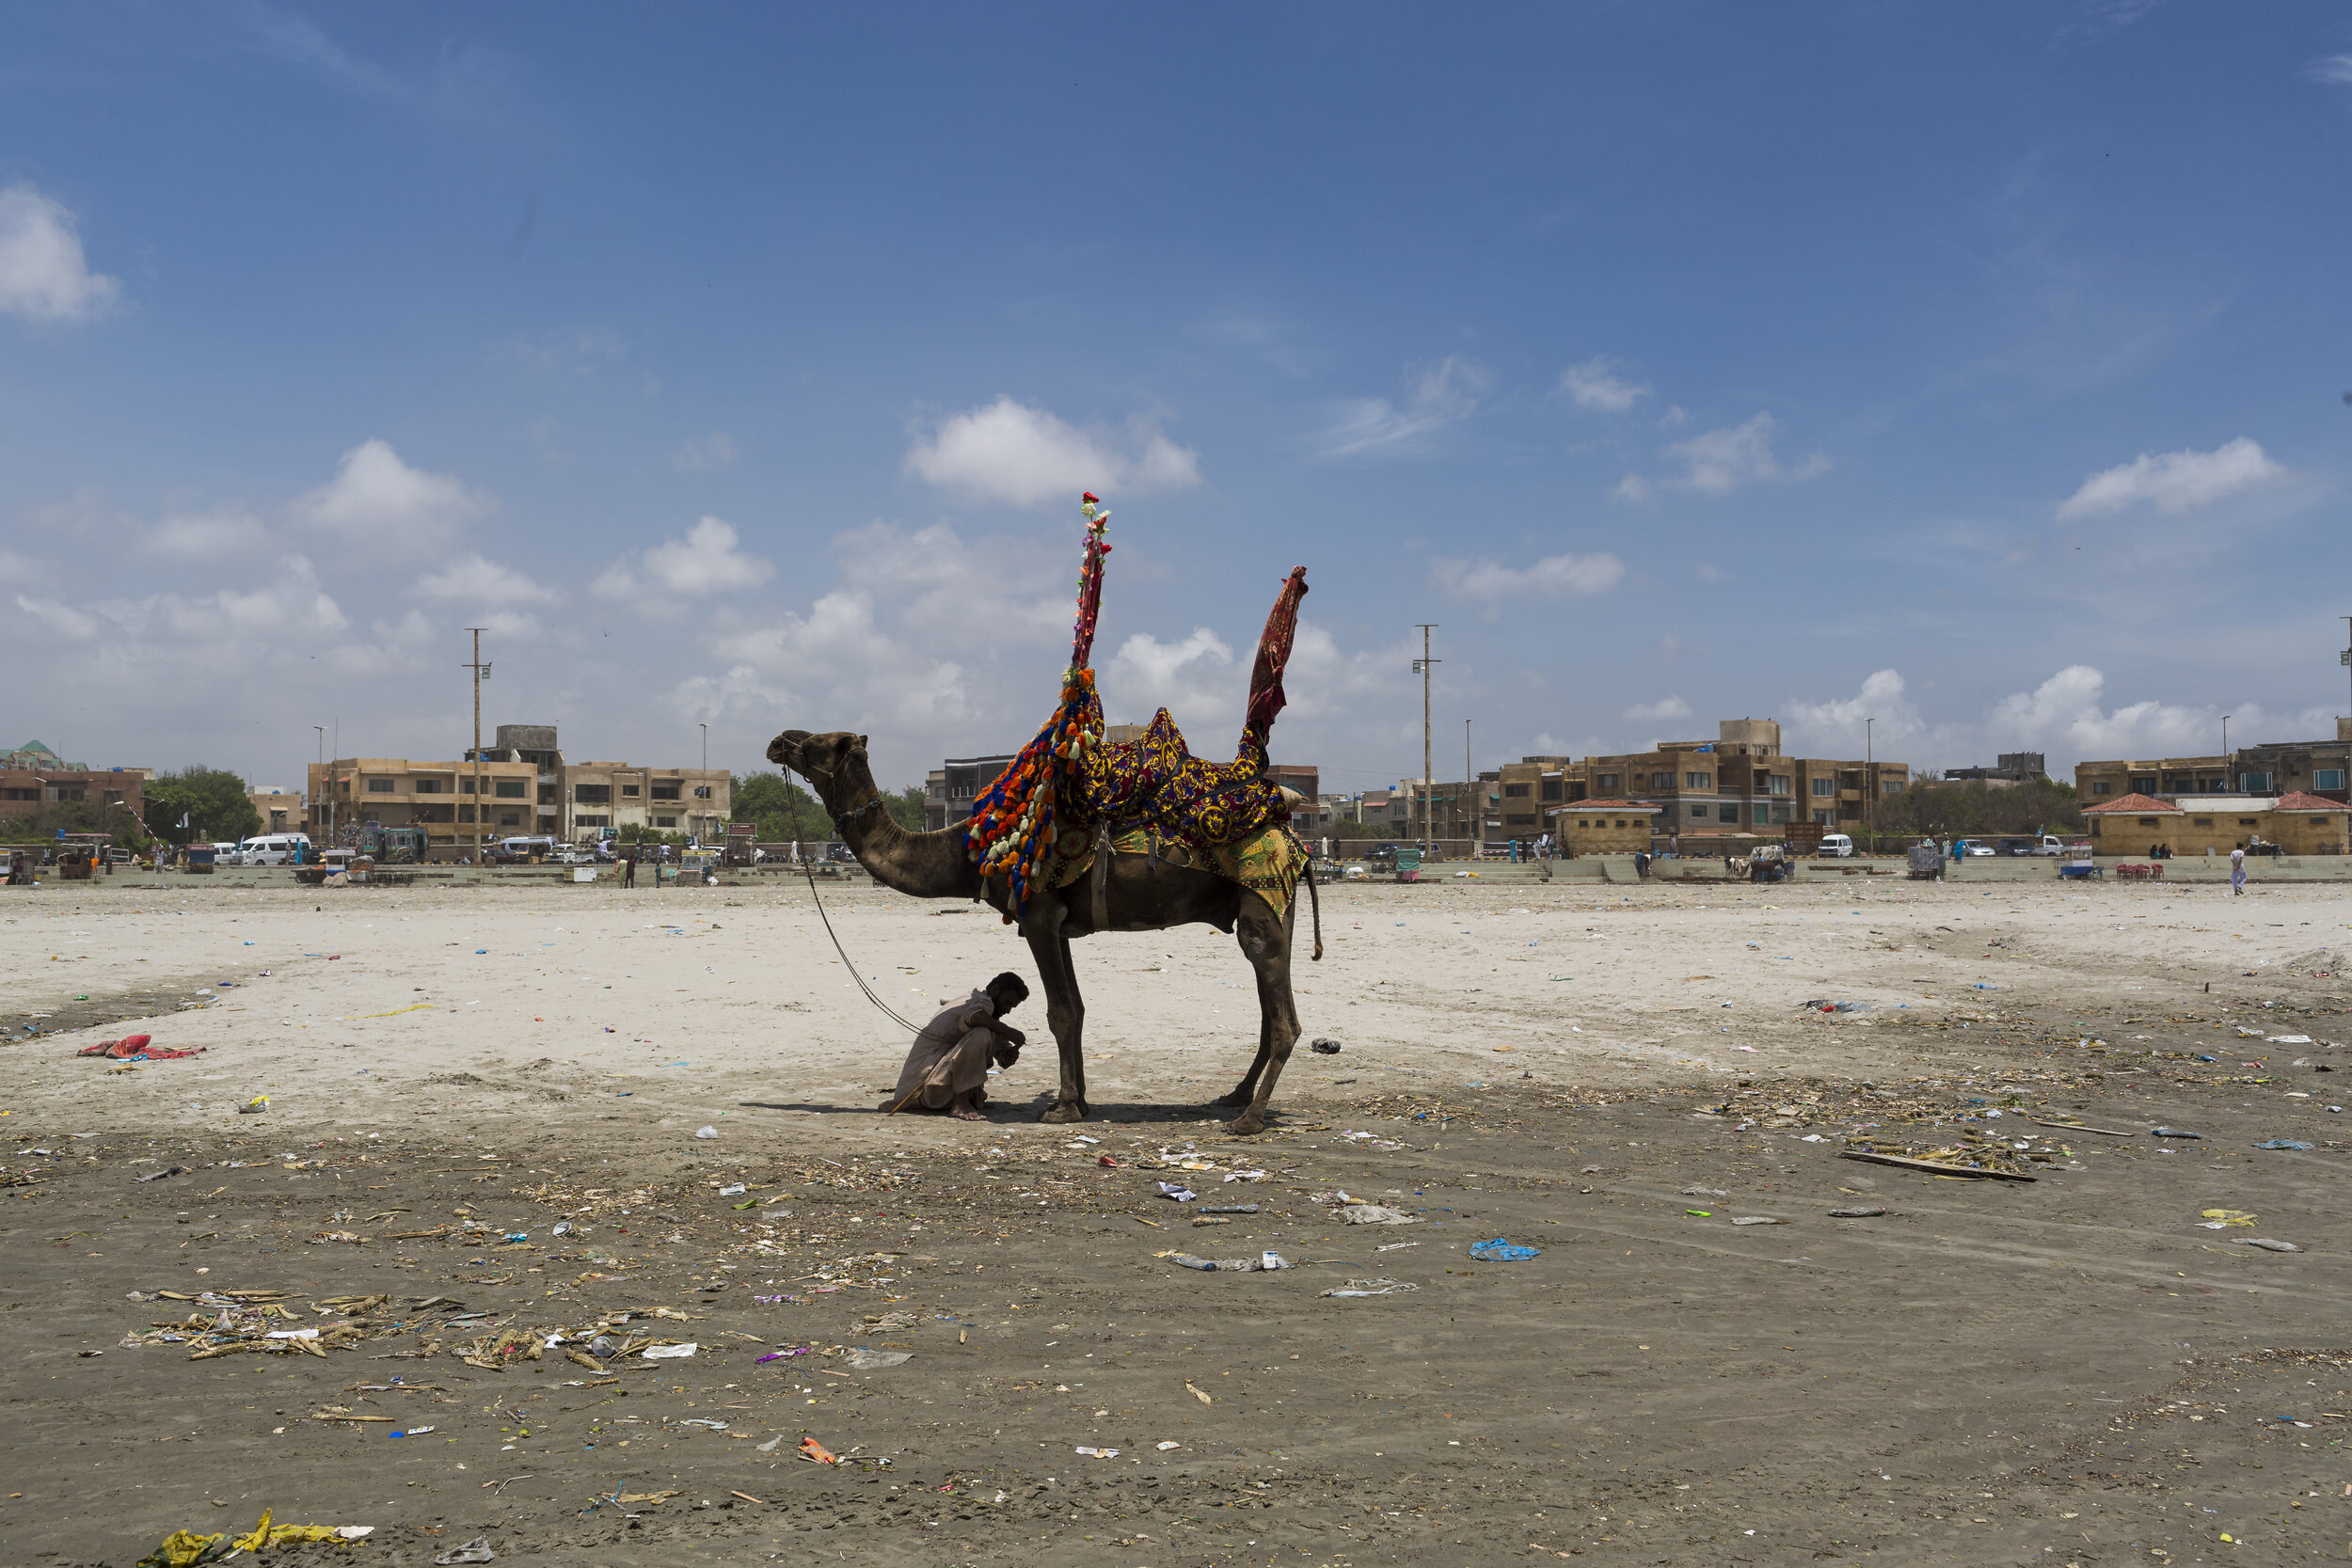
(2173, 1132)
(1502, 1251)
(2282, 1143)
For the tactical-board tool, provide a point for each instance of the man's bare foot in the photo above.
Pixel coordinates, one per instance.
(965, 1113)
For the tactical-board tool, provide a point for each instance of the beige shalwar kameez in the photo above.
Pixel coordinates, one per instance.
(948, 1060)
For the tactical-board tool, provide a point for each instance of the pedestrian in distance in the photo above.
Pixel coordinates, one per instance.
(2237, 871)
(628, 869)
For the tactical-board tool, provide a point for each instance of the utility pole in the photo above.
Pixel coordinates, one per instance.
(1870, 785)
(706, 783)
(2225, 752)
(480, 673)
(1422, 667)
(318, 784)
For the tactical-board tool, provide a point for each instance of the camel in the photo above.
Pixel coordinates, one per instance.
(1142, 894)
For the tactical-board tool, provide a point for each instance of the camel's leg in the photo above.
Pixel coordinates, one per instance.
(1065, 1010)
(1266, 940)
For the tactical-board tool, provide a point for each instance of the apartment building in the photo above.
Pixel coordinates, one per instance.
(536, 744)
(281, 810)
(34, 779)
(2321, 768)
(955, 785)
(603, 797)
(1740, 782)
(438, 797)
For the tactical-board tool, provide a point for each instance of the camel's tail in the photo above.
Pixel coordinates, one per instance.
(1314, 902)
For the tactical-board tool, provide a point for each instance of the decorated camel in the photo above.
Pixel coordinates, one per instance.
(1078, 837)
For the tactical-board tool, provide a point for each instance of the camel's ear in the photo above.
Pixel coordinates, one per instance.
(859, 745)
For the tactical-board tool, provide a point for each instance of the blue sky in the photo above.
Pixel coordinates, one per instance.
(1980, 369)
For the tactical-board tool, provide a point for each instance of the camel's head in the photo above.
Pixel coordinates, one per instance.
(826, 761)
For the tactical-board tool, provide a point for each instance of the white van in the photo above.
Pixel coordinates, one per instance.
(275, 849)
(1838, 846)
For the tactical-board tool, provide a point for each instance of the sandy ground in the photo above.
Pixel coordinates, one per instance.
(2065, 1370)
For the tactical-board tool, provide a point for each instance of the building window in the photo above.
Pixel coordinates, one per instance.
(2200, 822)
(1701, 812)
(1820, 816)
(1776, 783)
(592, 795)
(666, 791)
(1518, 820)
(1551, 789)
(2143, 784)
(1581, 823)
(509, 789)
(702, 792)
(1519, 790)
(2101, 787)
(2327, 778)
(1698, 780)
(429, 786)
(1605, 781)
(1780, 815)
(1661, 781)
(1890, 786)
(592, 822)
(629, 792)
(1763, 813)
(1824, 787)
(2255, 783)
(665, 821)
(510, 819)
(2147, 821)
(382, 786)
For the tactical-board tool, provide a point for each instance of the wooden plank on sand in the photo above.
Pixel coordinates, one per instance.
(1931, 1167)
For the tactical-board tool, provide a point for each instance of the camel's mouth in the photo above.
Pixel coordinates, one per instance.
(784, 751)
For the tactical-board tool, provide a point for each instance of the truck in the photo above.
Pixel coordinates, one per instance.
(743, 843)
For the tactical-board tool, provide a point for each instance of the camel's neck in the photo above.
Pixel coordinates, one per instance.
(922, 865)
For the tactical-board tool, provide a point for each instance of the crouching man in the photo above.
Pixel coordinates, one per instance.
(947, 1068)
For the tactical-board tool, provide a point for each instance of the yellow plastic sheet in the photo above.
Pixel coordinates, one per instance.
(183, 1549)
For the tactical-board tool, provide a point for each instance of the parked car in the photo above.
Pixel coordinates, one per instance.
(272, 850)
(1836, 845)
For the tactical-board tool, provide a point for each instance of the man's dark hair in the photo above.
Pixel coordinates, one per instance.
(1010, 986)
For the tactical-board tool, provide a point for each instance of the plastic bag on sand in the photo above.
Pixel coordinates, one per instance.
(706, 1132)
(1502, 1251)
(476, 1550)
(1214, 1265)
(1375, 1213)
(869, 1360)
(1370, 1287)
(668, 1353)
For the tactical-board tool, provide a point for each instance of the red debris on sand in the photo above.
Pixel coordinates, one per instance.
(134, 1048)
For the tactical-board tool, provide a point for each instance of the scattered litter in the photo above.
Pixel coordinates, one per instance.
(1865, 1214)
(1366, 1287)
(1704, 1191)
(1228, 1209)
(1700, 1213)
(706, 1132)
(2290, 1039)
(735, 1191)
(2221, 1219)
(2267, 1243)
(813, 1449)
(158, 1176)
(1178, 1194)
(769, 1446)
(1100, 1453)
(1165, 1447)
(1272, 1261)
(255, 1106)
(1197, 1393)
(2172, 1133)
(1325, 1048)
(412, 1432)
(1376, 1214)
(669, 1352)
(873, 1360)
(1218, 1265)
(1755, 1219)
(2282, 1143)
(1502, 1251)
(476, 1550)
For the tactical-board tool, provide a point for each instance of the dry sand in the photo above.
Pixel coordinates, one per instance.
(1985, 1373)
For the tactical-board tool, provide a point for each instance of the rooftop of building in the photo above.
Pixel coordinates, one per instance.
(2134, 805)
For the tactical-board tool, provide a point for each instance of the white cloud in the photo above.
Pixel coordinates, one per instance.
(1595, 385)
(1675, 415)
(2173, 481)
(1445, 393)
(2335, 70)
(705, 561)
(376, 498)
(1718, 462)
(474, 581)
(1009, 451)
(1554, 577)
(44, 276)
(62, 618)
(1194, 678)
(704, 454)
(1839, 727)
(2064, 716)
(223, 535)
(835, 668)
(1659, 711)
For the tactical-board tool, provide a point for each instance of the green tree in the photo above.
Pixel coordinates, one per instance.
(781, 808)
(212, 799)
(906, 807)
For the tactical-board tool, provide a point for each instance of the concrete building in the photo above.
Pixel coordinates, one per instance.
(1740, 781)
(1517, 794)
(1306, 781)
(2299, 823)
(281, 810)
(960, 782)
(24, 791)
(2011, 768)
(611, 797)
(1603, 827)
(536, 744)
(438, 797)
(2163, 778)
(2320, 767)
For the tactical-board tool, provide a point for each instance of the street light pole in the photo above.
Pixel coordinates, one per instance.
(1470, 788)
(1869, 785)
(2225, 751)
(706, 783)
(479, 669)
(318, 780)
